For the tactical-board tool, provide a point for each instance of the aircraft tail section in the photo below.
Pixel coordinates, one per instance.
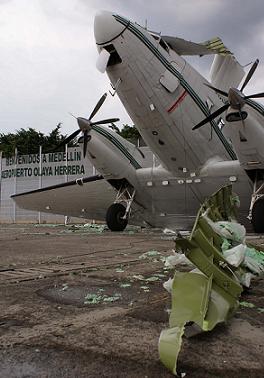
(226, 72)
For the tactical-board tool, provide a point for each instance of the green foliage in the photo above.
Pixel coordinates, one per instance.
(130, 133)
(28, 141)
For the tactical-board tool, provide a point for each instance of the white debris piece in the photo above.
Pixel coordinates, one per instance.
(229, 230)
(245, 279)
(236, 255)
(168, 231)
(168, 285)
(177, 259)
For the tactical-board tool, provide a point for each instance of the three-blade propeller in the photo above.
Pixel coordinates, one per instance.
(236, 98)
(86, 124)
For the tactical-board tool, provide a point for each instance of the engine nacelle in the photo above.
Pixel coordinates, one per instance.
(113, 156)
(247, 137)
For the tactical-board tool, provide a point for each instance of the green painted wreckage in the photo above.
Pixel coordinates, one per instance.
(224, 263)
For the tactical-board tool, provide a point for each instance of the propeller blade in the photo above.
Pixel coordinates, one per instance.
(211, 116)
(98, 106)
(256, 95)
(72, 115)
(105, 121)
(85, 141)
(250, 74)
(217, 90)
(68, 139)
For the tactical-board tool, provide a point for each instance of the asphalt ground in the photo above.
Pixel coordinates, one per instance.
(78, 302)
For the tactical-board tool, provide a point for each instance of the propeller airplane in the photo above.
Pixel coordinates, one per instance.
(205, 134)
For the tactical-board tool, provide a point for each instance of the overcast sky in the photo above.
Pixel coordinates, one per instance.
(48, 53)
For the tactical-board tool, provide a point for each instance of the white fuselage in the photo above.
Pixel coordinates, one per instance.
(166, 97)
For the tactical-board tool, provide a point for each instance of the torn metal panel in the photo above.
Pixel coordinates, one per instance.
(210, 296)
(190, 297)
(169, 347)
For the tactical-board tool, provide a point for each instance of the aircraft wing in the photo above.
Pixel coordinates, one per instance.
(183, 47)
(85, 198)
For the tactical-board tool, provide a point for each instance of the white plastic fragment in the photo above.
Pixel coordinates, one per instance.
(125, 285)
(236, 255)
(168, 231)
(145, 288)
(64, 287)
(152, 279)
(254, 260)
(168, 285)
(245, 279)
(177, 259)
(252, 265)
(149, 254)
(119, 270)
(229, 230)
(138, 277)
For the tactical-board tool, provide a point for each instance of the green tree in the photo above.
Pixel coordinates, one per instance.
(130, 132)
(28, 141)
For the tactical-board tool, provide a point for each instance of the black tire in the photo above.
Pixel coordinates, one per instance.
(258, 216)
(114, 217)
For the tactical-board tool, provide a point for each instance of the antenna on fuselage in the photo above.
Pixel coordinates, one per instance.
(146, 24)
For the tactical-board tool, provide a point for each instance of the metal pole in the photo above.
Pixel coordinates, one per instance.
(66, 219)
(1, 157)
(15, 188)
(40, 178)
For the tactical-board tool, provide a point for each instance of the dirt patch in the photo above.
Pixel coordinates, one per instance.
(101, 293)
(46, 330)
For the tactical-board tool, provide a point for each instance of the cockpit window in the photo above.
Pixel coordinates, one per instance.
(114, 56)
(161, 41)
(164, 45)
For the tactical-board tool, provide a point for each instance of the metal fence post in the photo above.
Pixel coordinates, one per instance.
(40, 178)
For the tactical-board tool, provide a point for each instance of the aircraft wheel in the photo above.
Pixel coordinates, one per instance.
(114, 217)
(258, 216)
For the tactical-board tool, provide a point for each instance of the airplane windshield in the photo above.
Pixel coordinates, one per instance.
(161, 41)
(114, 56)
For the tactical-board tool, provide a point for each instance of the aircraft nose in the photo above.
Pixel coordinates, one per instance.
(106, 28)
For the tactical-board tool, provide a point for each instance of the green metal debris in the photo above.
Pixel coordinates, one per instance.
(86, 228)
(152, 279)
(145, 288)
(93, 299)
(149, 255)
(210, 293)
(254, 260)
(114, 298)
(246, 304)
(119, 270)
(160, 275)
(139, 277)
(125, 285)
(98, 298)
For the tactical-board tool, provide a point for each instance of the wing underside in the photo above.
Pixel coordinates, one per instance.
(85, 198)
